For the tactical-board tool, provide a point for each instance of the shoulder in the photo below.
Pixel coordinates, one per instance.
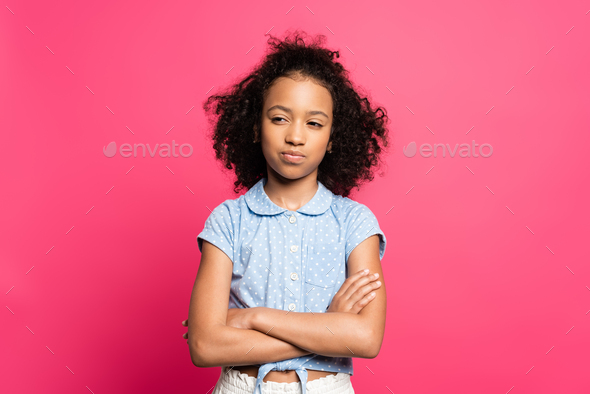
(228, 209)
(350, 210)
(359, 222)
(221, 226)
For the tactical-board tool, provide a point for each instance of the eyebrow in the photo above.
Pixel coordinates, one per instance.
(290, 111)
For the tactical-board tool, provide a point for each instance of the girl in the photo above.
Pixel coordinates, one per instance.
(297, 259)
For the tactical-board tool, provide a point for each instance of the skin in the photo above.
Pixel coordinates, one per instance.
(356, 320)
(292, 185)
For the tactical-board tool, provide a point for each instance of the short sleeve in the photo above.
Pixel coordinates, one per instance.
(362, 224)
(219, 230)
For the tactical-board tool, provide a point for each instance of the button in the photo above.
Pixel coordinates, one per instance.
(291, 306)
(293, 248)
(292, 219)
(294, 276)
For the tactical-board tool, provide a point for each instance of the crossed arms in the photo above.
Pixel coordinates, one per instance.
(261, 335)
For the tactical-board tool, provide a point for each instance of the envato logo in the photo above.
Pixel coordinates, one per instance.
(126, 150)
(465, 150)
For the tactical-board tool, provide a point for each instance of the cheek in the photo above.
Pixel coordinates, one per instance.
(267, 150)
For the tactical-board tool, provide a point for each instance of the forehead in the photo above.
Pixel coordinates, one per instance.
(298, 95)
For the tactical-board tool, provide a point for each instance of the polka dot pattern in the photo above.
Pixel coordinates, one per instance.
(290, 260)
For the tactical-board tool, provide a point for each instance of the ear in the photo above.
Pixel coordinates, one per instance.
(329, 148)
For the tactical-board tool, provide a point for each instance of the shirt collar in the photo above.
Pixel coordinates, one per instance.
(259, 202)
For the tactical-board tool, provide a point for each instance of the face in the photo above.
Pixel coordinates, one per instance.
(296, 124)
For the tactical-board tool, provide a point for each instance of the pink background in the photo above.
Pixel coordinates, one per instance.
(486, 268)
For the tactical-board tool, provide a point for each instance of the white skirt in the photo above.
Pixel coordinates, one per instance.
(236, 382)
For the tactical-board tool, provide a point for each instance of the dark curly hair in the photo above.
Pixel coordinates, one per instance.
(358, 133)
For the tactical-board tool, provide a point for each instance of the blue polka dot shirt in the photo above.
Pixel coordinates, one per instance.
(290, 260)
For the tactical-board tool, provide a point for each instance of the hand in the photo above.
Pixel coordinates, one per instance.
(355, 293)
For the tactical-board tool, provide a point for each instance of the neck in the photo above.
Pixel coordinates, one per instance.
(291, 194)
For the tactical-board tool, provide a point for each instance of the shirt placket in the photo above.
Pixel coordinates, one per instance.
(294, 267)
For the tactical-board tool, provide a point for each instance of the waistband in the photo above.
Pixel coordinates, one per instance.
(264, 369)
(234, 381)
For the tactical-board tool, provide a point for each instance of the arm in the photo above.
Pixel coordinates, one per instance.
(334, 334)
(211, 341)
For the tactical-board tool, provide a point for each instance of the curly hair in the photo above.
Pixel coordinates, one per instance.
(358, 132)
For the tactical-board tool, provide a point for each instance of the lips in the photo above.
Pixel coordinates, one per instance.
(292, 156)
(293, 153)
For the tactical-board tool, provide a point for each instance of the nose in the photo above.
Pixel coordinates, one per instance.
(296, 134)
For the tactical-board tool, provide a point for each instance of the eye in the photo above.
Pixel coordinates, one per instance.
(318, 125)
(277, 117)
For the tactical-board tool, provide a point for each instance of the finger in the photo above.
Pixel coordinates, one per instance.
(185, 335)
(369, 287)
(365, 301)
(185, 322)
(352, 284)
(363, 280)
(353, 278)
(359, 283)
(363, 291)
